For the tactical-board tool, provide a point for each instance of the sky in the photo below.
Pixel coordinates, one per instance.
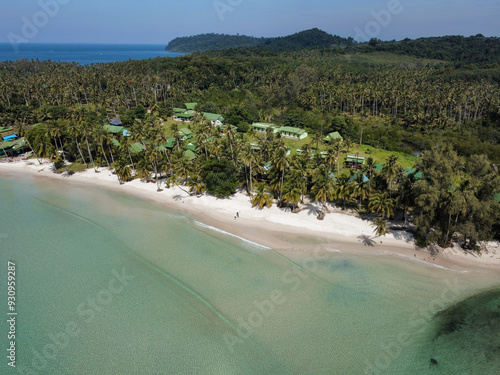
(159, 21)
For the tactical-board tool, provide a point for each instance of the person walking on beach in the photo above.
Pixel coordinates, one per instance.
(237, 214)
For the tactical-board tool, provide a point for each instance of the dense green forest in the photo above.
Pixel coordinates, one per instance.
(313, 38)
(460, 50)
(447, 114)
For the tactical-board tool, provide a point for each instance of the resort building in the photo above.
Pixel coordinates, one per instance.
(354, 161)
(185, 133)
(293, 133)
(116, 130)
(184, 116)
(333, 137)
(261, 127)
(187, 114)
(216, 119)
(13, 147)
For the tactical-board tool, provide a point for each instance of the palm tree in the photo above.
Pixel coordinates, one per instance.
(229, 133)
(330, 159)
(362, 189)
(343, 189)
(196, 185)
(101, 136)
(182, 167)
(337, 148)
(390, 171)
(249, 158)
(380, 227)
(280, 163)
(122, 170)
(381, 202)
(369, 168)
(262, 197)
(143, 170)
(323, 189)
(292, 195)
(177, 136)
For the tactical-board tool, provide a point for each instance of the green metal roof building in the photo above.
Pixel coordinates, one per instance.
(294, 133)
(355, 160)
(190, 154)
(214, 117)
(114, 129)
(186, 133)
(262, 127)
(190, 106)
(136, 148)
(333, 136)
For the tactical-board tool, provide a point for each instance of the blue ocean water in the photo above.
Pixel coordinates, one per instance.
(83, 54)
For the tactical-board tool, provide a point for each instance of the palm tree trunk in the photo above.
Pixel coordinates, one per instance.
(281, 185)
(62, 149)
(112, 157)
(29, 144)
(90, 154)
(105, 157)
(251, 179)
(80, 151)
(130, 156)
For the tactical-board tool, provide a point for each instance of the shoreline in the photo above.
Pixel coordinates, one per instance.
(273, 227)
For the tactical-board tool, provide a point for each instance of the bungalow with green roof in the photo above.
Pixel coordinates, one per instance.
(13, 147)
(186, 133)
(261, 127)
(189, 154)
(293, 133)
(216, 119)
(192, 146)
(354, 161)
(136, 148)
(114, 129)
(333, 137)
(184, 116)
(191, 106)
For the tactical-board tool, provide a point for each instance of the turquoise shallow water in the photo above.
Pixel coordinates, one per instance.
(111, 284)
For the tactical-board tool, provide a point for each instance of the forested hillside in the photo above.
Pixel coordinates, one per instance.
(476, 49)
(207, 42)
(313, 38)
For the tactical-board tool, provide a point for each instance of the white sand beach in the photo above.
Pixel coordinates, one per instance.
(274, 227)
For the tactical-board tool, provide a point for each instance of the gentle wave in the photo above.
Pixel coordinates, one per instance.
(230, 234)
(333, 251)
(384, 252)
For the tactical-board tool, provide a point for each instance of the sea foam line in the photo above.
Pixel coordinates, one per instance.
(385, 252)
(230, 234)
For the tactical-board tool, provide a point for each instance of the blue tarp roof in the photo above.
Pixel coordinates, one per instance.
(9, 137)
(332, 176)
(365, 179)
